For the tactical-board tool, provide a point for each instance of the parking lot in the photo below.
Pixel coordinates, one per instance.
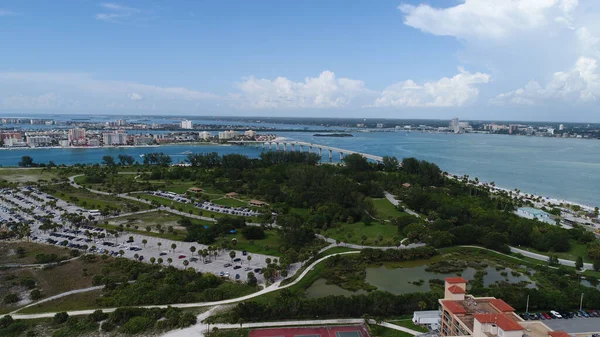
(572, 322)
(575, 325)
(38, 208)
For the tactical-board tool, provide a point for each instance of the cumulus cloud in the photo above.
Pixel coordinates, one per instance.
(325, 91)
(580, 84)
(446, 92)
(135, 96)
(488, 18)
(90, 92)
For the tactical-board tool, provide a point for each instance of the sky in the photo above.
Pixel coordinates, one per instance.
(531, 60)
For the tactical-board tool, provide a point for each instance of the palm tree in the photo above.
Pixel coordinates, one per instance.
(249, 258)
(169, 261)
(186, 262)
(121, 252)
(232, 254)
(152, 260)
(159, 244)
(159, 260)
(192, 249)
(144, 242)
(173, 246)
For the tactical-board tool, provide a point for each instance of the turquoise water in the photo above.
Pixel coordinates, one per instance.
(560, 168)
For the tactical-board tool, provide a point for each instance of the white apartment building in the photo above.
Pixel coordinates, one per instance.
(35, 141)
(228, 134)
(250, 133)
(115, 138)
(204, 135)
(187, 124)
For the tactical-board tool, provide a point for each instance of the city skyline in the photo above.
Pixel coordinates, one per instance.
(475, 59)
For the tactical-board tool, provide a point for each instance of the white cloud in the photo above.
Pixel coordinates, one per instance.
(483, 19)
(325, 91)
(446, 92)
(580, 84)
(135, 96)
(117, 7)
(30, 91)
(116, 12)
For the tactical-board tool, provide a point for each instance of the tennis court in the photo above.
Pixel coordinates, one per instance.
(326, 331)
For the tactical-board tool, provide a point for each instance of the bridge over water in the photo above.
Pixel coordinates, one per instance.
(310, 147)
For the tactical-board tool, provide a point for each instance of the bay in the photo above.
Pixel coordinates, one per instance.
(566, 169)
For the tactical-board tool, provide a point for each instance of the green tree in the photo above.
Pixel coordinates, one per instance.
(26, 161)
(232, 254)
(108, 160)
(144, 242)
(579, 263)
(173, 246)
(192, 249)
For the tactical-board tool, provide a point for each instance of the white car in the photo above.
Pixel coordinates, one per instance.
(555, 314)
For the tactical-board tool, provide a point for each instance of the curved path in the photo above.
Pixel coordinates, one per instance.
(351, 245)
(37, 265)
(274, 287)
(67, 293)
(200, 329)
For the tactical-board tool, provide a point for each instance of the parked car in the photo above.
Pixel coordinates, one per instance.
(546, 315)
(193, 259)
(584, 313)
(244, 252)
(162, 254)
(237, 259)
(237, 276)
(227, 265)
(555, 314)
(237, 267)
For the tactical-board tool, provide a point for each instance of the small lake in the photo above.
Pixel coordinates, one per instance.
(407, 280)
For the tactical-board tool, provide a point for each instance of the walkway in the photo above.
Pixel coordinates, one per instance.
(274, 287)
(200, 329)
(351, 245)
(396, 202)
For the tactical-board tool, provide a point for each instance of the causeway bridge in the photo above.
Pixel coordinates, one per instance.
(301, 146)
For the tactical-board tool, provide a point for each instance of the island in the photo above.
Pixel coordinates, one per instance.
(333, 135)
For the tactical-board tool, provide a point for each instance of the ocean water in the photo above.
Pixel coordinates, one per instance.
(560, 168)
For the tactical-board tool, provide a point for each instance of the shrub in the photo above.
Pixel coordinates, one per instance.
(253, 233)
(28, 283)
(11, 298)
(35, 294)
(136, 325)
(6, 321)
(108, 326)
(60, 317)
(98, 316)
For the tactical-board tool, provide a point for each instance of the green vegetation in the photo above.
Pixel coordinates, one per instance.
(79, 301)
(29, 175)
(408, 323)
(89, 200)
(28, 252)
(375, 234)
(380, 331)
(385, 210)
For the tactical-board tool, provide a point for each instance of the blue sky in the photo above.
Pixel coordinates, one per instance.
(478, 59)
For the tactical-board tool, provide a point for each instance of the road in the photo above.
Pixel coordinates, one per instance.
(542, 257)
(200, 329)
(274, 287)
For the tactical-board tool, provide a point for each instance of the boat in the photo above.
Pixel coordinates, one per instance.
(186, 152)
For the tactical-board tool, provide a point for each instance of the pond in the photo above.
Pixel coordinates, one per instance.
(414, 279)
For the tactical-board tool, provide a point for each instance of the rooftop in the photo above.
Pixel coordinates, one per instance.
(456, 290)
(469, 307)
(503, 321)
(453, 280)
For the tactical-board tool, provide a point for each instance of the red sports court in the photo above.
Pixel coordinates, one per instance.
(325, 331)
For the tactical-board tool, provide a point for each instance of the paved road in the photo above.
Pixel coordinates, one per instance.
(200, 329)
(353, 246)
(274, 287)
(542, 257)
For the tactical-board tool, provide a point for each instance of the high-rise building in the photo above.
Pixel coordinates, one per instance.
(454, 125)
(250, 133)
(513, 128)
(561, 127)
(114, 138)
(204, 135)
(228, 134)
(187, 124)
(76, 136)
(35, 141)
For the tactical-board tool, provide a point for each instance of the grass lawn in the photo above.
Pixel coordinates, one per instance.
(229, 202)
(380, 331)
(358, 229)
(385, 209)
(8, 252)
(268, 246)
(408, 323)
(27, 175)
(89, 200)
(152, 219)
(80, 301)
(179, 187)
